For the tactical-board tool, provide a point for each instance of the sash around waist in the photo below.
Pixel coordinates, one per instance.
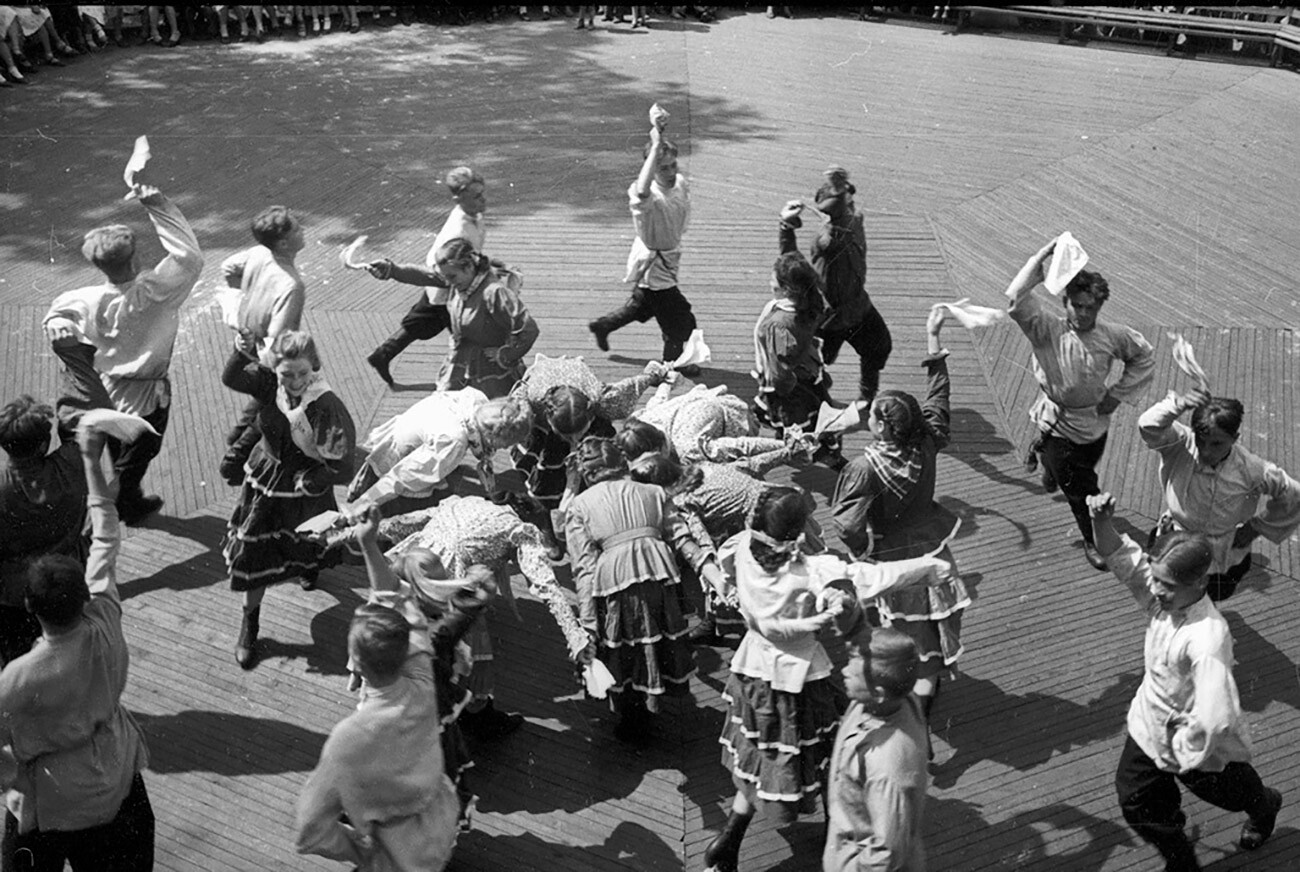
(624, 536)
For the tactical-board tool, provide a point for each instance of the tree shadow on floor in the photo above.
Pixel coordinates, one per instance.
(393, 105)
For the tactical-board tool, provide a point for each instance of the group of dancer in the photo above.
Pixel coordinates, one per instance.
(654, 508)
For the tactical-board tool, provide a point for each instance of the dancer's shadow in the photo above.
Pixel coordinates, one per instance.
(974, 440)
(971, 514)
(960, 838)
(327, 653)
(197, 740)
(204, 569)
(1263, 672)
(629, 846)
(1020, 731)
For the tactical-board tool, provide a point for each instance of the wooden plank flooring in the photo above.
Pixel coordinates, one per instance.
(967, 152)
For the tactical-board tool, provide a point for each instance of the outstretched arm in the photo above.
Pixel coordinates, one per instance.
(174, 276)
(647, 174)
(106, 537)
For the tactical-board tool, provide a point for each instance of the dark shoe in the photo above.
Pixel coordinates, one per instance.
(246, 647)
(489, 722)
(1049, 481)
(690, 370)
(136, 512)
(307, 581)
(705, 632)
(1093, 557)
(54, 62)
(831, 457)
(1256, 830)
(723, 853)
(379, 360)
(601, 334)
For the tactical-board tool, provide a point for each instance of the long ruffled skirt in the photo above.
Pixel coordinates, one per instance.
(643, 641)
(777, 744)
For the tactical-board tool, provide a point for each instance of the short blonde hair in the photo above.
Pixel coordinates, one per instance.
(505, 421)
(295, 345)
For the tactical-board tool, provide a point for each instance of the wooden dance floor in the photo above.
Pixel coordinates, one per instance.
(968, 153)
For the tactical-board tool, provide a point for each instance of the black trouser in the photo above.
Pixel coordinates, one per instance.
(131, 461)
(425, 320)
(871, 340)
(1074, 466)
(18, 631)
(1152, 804)
(670, 309)
(124, 844)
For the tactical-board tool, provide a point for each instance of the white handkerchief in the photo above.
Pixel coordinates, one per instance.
(346, 256)
(322, 523)
(1067, 259)
(658, 116)
(139, 157)
(229, 299)
(833, 420)
(968, 315)
(598, 679)
(119, 425)
(1185, 357)
(695, 351)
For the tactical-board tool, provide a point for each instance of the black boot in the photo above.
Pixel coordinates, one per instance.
(723, 853)
(387, 350)
(246, 647)
(706, 631)
(489, 722)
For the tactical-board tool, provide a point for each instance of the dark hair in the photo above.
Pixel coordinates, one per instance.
(636, 437)
(1186, 555)
(667, 146)
(903, 413)
(1089, 282)
(1220, 413)
(567, 410)
(295, 345)
(56, 589)
(781, 513)
(891, 662)
(655, 469)
(380, 639)
(598, 460)
(800, 284)
(110, 248)
(24, 427)
(272, 224)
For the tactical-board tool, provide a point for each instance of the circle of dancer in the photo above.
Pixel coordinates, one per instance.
(639, 512)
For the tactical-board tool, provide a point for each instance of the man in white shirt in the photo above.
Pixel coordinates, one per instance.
(428, 317)
(271, 301)
(1185, 723)
(1073, 353)
(132, 320)
(661, 208)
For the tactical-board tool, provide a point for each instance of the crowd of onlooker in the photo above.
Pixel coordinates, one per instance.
(36, 34)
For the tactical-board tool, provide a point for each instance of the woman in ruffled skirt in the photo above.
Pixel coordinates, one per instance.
(621, 538)
(783, 709)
